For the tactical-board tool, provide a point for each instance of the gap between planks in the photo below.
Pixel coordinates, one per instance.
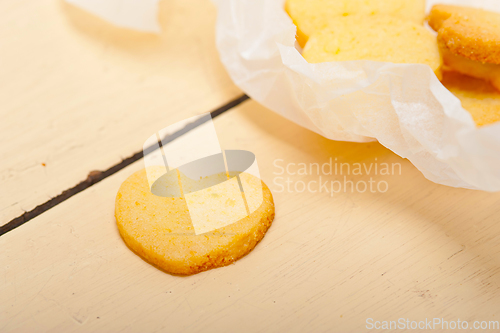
(95, 177)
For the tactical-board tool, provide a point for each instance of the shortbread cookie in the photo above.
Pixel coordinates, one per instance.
(380, 38)
(469, 40)
(159, 229)
(468, 32)
(312, 15)
(477, 96)
(488, 72)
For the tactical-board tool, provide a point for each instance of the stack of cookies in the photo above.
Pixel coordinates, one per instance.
(465, 55)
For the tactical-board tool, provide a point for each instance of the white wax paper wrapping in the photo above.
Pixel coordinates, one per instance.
(403, 106)
(139, 15)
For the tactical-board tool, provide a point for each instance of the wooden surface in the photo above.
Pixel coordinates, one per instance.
(78, 94)
(328, 263)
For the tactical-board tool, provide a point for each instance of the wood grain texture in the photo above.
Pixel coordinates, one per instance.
(78, 94)
(328, 263)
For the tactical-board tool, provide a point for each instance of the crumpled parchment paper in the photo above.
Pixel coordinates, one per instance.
(403, 106)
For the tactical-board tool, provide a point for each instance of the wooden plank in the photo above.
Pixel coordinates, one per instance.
(328, 262)
(79, 94)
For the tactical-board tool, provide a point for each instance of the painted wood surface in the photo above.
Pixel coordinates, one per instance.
(78, 94)
(328, 263)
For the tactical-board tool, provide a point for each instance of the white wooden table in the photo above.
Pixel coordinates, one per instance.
(78, 95)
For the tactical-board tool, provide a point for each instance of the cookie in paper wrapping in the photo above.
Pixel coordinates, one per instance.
(403, 106)
(381, 38)
(469, 40)
(477, 96)
(312, 15)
